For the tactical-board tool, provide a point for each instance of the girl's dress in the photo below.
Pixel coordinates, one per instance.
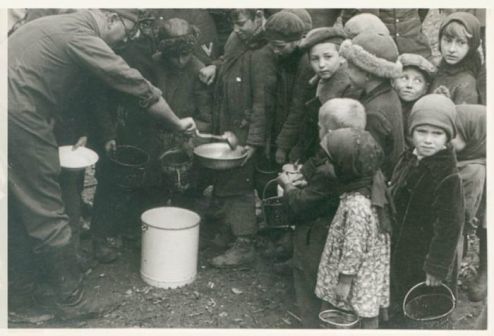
(355, 246)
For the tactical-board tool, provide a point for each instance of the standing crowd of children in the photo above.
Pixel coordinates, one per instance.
(392, 146)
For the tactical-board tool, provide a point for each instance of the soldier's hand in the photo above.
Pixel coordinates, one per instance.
(82, 142)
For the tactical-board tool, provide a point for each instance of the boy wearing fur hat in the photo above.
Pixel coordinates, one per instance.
(414, 82)
(372, 62)
(364, 22)
(311, 206)
(427, 193)
(459, 40)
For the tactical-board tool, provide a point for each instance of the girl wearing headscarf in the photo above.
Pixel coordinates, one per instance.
(427, 194)
(354, 268)
(459, 41)
(470, 146)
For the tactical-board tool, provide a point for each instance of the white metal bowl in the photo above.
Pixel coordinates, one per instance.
(79, 158)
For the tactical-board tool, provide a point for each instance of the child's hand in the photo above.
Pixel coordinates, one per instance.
(342, 290)
(284, 180)
(432, 281)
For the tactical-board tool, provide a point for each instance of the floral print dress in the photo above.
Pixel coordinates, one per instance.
(355, 246)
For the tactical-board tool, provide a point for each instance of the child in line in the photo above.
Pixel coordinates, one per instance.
(414, 82)
(354, 268)
(470, 146)
(372, 62)
(428, 198)
(310, 207)
(459, 40)
(331, 81)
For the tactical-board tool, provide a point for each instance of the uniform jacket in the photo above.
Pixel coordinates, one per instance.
(48, 55)
(384, 122)
(428, 197)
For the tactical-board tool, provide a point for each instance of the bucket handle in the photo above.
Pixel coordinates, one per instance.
(173, 150)
(421, 284)
(266, 187)
(144, 227)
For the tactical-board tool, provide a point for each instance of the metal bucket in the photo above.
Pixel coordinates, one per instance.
(170, 244)
(266, 170)
(176, 167)
(128, 164)
(339, 319)
(275, 216)
(428, 307)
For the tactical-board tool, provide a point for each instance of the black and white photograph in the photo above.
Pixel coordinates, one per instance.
(246, 168)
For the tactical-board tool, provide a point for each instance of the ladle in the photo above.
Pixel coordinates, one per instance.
(229, 137)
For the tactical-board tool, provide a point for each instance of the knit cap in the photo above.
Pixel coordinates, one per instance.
(284, 26)
(436, 110)
(334, 35)
(303, 15)
(365, 22)
(419, 62)
(373, 53)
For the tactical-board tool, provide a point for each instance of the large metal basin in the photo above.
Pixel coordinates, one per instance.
(219, 156)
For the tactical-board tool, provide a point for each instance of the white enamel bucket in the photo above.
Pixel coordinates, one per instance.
(170, 243)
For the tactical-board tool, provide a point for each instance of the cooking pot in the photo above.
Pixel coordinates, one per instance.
(176, 167)
(219, 156)
(128, 165)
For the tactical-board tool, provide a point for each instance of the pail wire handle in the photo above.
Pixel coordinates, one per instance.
(266, 187)
(450, 292)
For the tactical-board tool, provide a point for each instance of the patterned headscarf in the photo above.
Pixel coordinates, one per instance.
(355, 155)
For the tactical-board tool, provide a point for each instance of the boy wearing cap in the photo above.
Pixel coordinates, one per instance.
(372, 62)
(428, 197)
(284, 31)
(414, 82)
(331, 81)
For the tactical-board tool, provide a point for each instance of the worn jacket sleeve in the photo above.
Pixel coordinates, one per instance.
(263, 77)
(319, 197)
(288, 136)
(449, 210)
(94, 54)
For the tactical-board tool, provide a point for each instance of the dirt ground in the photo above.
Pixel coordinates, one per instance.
(260, 296)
